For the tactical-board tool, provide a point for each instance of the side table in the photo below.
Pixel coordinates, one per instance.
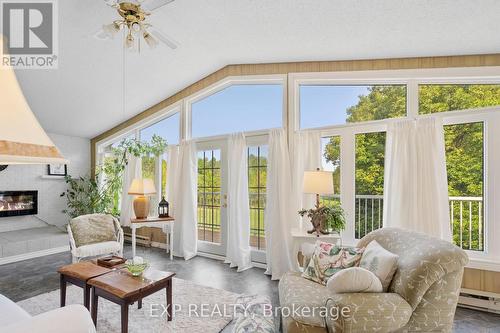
(78, 274)
(166, 223)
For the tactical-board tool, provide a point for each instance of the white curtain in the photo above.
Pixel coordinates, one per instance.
(306, 156)
(277, 211)
(172, 177)
(185, 230)
(415, 186)
(133, 169)
(238, 253)
(172, 183)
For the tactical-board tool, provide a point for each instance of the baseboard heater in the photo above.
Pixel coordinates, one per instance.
(139, 239)
(479, 300)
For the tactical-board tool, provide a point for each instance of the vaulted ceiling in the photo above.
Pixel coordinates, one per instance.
(98, 85)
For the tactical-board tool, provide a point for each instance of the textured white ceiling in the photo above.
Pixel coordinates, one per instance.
(84, 97)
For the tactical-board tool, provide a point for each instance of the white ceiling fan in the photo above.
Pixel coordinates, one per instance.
(133, 17)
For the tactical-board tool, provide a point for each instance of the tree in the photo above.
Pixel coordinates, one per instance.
(463, 142)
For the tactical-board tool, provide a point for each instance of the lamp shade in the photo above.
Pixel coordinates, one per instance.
(318, 182)
(22, 139)
(142, 186)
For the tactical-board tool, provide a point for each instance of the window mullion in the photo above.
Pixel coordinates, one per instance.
(412, 99)
(347, 181)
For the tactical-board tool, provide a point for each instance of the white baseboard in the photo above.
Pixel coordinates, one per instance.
(31, 255)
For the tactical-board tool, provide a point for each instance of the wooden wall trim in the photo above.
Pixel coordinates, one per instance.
(303, 67)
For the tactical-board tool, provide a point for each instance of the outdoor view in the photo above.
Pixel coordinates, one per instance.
(464, 154)
(209, 195)
(329, 105)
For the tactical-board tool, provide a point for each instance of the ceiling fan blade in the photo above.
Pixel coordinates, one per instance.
(170, 42)
(150, 5)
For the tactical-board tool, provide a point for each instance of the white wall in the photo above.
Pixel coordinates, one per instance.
(28, 177)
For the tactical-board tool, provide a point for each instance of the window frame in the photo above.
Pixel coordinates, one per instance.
(253, 141)
(135, 130)
(228, 82)
(490, 116)
(412, 78)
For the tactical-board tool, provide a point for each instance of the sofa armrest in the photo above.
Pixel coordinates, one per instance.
(381, 312)
(69, 319)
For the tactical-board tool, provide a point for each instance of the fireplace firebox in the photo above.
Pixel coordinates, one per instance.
(17, 203)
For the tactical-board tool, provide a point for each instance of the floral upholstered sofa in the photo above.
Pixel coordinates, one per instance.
(422, 296)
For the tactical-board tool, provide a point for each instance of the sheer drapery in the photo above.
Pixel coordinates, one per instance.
(238, 253)
(172, 177)
(415, 181)
(277, 213)
(306, 156)
(185, 230)
(133, 169)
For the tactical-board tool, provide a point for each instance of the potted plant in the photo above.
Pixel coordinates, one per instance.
(325, 219)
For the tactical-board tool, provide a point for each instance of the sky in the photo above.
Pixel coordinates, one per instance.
(241, 108)
(238, 108)
(327, 105)
(167, 128)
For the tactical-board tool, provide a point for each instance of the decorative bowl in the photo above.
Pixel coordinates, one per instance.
(136, 269)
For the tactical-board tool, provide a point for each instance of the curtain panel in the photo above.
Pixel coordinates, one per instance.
(133, 169)
(277, 213)
(306, 156)
(186, 191)
(238, 253)
(415, 180)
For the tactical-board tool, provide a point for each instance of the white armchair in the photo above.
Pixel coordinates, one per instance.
(69, 319)
(97, 249)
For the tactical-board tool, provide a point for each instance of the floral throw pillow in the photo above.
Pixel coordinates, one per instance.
(328, 259)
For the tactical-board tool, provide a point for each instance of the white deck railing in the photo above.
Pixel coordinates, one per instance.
(466, 217)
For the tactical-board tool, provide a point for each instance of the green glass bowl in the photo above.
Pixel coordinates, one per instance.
(136, 269)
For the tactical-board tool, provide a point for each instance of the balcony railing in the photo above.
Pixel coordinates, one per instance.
(466, 217)
(466, 214)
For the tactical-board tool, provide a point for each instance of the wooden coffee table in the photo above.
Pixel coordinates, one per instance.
(78, 274)
(121, 288)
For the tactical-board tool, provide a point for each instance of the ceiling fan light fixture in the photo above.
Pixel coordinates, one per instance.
(111, 29)
(129, 41)
(150, 40)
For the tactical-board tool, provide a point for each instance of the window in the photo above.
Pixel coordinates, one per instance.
(330, 146)
(209, 196)
(257, 174)
(238, 108)
(324, 105)
(168, 129)
(452, 97)
(369, 182)
(464, 145)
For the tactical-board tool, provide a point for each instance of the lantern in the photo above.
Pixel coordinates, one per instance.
(163, 208)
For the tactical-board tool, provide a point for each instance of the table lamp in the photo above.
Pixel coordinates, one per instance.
(142, 187)
(318, 182)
